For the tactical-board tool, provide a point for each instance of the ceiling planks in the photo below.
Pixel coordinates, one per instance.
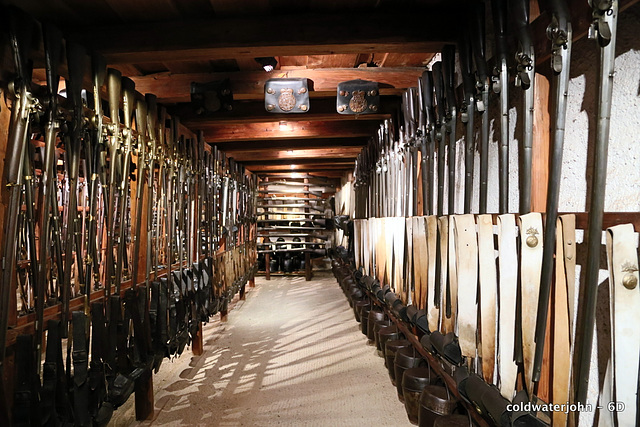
(256, 36)
(144, 10)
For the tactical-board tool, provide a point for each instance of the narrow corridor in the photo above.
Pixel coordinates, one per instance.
(292, 354)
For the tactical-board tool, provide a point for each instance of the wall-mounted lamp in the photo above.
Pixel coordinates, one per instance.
(283, 126)
(268, 63)
(289, 151)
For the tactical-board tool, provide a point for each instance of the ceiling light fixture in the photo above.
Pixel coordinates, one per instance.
(268, 63)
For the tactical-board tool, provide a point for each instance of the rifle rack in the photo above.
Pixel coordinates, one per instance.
(281, 218)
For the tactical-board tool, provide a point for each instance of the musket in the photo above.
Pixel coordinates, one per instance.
(53, 50)
(501, 86)
(143, 167)
(559, 32)
(152, 128)
(604, 30)
(215, 223)
(482, 82)
(406, 142)
(414, 118)
(114, 89)
(448, 68)
(128, 100)
(20, 32)
(75, 63)
(467, 113)
(441, 135)
(427, 175)
(524, 78)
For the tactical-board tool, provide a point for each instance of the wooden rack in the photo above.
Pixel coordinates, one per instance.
(291, 202)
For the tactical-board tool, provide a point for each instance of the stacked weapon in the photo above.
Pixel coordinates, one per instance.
(81, 207)
(386, 174)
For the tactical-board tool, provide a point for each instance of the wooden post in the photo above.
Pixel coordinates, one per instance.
(267, 266)
(197, 348)
(144, 396)
(307, 266)
(242, 293)
(252, 282)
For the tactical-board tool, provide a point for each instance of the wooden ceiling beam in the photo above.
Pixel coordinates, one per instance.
(331, 174)
(259, 36)
(321, 161)
(295, 155)
(253, 112)
(297, 168)
(290, 144)
(295, 130)
(249, 85)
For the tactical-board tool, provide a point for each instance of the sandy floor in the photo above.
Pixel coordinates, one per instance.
(290, 355)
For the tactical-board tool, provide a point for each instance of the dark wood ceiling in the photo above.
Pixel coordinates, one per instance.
(164, 45)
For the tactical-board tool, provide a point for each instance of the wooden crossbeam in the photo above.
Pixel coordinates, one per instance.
(323, 109)
(291, 144)
(321, 154)
(296, 167)
(295, 130)
(314, 161)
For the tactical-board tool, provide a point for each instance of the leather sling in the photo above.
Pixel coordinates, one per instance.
(420, 262)
(446, 322)
(407, 267)
(622, 257)
(530, 271)
(466, 260)
(561, 326)
(433, 309)
(97, 388)
(25, 407)
(80, 370)
(508, 285)
(488, 295)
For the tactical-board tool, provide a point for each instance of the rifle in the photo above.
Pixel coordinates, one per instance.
(448, 67)
(525, 60)
(501, 86)
(94, 154)
(114, 87)
(128, 99)
(20, 33)
(141, 127)
(559, 32)
(75, 61)
(426, 82)
(441, 135)
(604, 30)
(467, 113)
(482, 83)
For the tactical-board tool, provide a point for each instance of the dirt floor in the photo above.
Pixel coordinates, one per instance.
(291, 354)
